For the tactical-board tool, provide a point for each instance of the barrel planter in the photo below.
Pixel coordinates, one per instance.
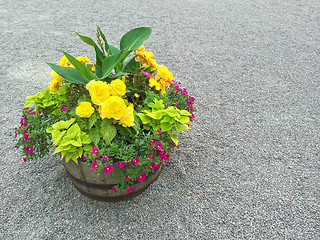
(99, 187)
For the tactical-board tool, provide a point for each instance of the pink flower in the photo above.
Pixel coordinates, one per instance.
(105, 157)
(120, 164)
(24, 159)
(141, 178)
(159, 131)
(24, 124)
(166, 158)
(29, 149)
(153, 166)
(178, 146)
(95, 150)
(159, 145)
(149, 157)
(108, 169)
(157, 165)
(99, 158)
(152, 141)
(151, 149)
(127, 177)
(64, 107)
(25, 133)
(114, 189)
(94, 164)
(129, 190)
(15, 134)
(84, 158)
(26, 137)
(136, 161)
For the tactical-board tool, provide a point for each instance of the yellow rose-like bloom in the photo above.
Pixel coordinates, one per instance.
(54, 85)
(118, 88)
(84, 60)
(84, 110)
(127, 120)
(99, 91)
(56, 76)
(152, 82)
(163, 72)
(114, 108)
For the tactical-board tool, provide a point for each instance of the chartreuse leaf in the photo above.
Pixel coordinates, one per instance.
(174, 138)
(144, 118)
(80, 67)
(135, 38)
(156, 114)
(57, 135)
(184, 119)
(63, 124)
(165, 126)
(29, 101)
(69, 74)
(108, 130)
(73, 131)
(185, 113)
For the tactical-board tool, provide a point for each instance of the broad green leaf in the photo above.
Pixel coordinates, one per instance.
(29, 101)
(109, 63)
(63, 124)
(165, 126)
(135, 38)
(57, 135)
(171, 111)
(166, 119)
(80, 67)
(69, 74)
(65, 141)
(85, 139)
(108, 131)
(184, 119)
(131, 66)
(85, 39)
(113, 50)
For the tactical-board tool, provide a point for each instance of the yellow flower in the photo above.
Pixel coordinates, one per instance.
(140, 49)
(114, 108)
(84, 60)
(54, 85)
(152, 82)
(64, 62)
(163, 72)
(127, 120)
(118, 88)
(99, 91)
(153, 64)
(56, 76)
(84, 110)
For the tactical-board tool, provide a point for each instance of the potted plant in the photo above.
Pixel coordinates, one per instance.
(114, 122)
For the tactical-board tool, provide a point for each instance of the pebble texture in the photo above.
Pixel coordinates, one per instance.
(249, 167)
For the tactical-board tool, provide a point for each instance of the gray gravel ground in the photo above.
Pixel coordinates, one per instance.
(249, 167)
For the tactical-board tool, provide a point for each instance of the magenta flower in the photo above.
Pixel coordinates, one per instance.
(99, 158)
(94, 164)
(151, 149)
(15, 134)
(149, 157)
(95, 150)
(129, 190)
(24, 124)
(24, 159)
(166, 158)
(153, 166)
(152, 141)
(25, 133)
(29, 149)
(178, 146)
(105, 157)
(64, 107)
(26, 137)
(136, 161)
(127, 177)
(159, 145)
(108, 169)
(114, 189)
(157, 165)
(84, 158)
(120, 164)
(141, 177)
(159, 131)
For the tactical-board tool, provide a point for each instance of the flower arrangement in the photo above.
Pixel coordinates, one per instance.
(120, 115)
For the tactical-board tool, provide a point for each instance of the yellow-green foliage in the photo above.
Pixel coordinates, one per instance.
(69, 138)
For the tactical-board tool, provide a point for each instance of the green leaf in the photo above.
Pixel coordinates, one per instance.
(131, 66)
(106, 47)
(156, 114)
(165, 126)
(144, 118)
(57, 135)
(135, 38)
(63, 124)
(93, 119)
(73, 131)
(85, 39)
(113, 50)
(166, 119)
(184, 119)
(69, 74)
(94, 135)
(85, 139)
(29, 101)
(80, 67)
(109, 63)
(75, 143)
(171, 111)
(174, 138)
(108, 130)
(185, 113)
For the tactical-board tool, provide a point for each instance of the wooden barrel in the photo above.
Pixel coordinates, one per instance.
(86, 180)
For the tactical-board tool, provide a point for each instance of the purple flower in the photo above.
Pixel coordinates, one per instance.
(129, 190)
(64, 107)
(95, 150)
(136, 161)
(141, 177)
(108, 169)
(29, 149)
